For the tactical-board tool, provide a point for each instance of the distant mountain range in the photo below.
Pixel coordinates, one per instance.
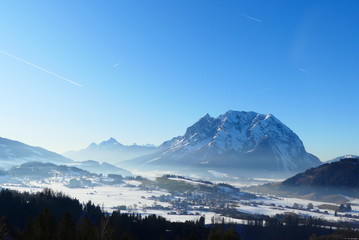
(234, 140)
(100, 168)
(14, 153)
(110, 151)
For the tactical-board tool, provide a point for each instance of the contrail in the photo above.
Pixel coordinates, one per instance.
(40, 68)
(252, 18)
(303, 70)
(117, 64)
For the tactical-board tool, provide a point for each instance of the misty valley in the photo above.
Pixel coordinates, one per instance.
(244, 172)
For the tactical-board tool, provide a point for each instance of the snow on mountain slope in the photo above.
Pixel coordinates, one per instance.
(236, 140)
(109, 151)
(337, 159)
(13, 153)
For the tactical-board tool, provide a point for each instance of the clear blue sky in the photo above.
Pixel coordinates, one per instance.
(76, 72)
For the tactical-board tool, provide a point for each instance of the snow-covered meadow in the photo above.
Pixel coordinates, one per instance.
(130, 197)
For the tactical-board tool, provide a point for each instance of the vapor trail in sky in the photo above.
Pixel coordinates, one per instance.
(40, 68)
(303, 70)
(117, 64)
(252, 18)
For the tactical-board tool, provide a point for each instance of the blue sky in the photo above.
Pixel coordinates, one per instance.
(73, 73)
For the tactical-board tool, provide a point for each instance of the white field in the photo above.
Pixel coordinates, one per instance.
(135, 199)
(116, 195)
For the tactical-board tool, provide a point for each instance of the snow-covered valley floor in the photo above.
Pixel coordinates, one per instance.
(129, 197)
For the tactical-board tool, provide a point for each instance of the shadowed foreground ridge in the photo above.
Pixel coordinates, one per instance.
(344, 173)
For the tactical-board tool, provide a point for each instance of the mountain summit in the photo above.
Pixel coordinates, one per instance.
(236, 140)
(110, 143)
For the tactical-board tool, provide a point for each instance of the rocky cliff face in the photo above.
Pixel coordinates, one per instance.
(245, 140)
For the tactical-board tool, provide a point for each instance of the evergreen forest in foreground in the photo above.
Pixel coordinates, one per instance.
(54, 216)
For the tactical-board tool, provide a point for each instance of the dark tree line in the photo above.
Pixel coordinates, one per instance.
(54, 216)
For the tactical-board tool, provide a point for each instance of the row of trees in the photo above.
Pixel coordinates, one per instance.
(55, 216)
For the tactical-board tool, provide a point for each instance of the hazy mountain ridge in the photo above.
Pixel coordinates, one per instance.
(13, 153)
(110, 151)
(235, 140)
(44, 170)
(100, 168)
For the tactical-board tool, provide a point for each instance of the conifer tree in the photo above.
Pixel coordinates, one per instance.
(44, 226)
(66, 229)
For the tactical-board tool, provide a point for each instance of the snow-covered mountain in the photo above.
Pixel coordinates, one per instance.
(110, 151)
(235, 140)
(14, 153)
(337, 159)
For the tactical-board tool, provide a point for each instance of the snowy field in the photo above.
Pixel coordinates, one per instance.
(106, 196)
(110, 197)
(128, 194)
(271, 206)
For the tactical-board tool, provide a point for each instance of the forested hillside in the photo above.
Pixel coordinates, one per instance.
(49, 215)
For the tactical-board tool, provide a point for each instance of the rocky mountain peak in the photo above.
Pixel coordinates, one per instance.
(111, 142)
(239, 138)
